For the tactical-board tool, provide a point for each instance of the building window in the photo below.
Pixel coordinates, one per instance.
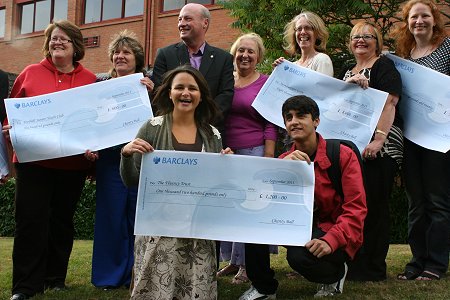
(177, 4)
(2, 22)
(102, 10)
(36, 15)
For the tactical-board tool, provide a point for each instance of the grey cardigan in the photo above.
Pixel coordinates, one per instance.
(158, 132)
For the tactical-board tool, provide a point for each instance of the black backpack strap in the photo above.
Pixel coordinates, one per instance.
(334, 172)
(334, 154)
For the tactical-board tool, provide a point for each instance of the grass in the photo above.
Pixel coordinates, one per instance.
(80, 288)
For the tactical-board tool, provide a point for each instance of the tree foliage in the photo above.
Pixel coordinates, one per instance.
(268, 18)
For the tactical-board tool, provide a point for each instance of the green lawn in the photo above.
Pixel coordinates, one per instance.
(78, 280)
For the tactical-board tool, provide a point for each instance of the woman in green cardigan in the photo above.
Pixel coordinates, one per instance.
(186, 111)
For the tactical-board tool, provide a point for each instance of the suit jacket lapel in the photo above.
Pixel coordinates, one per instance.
(182, 54)
(207, 59)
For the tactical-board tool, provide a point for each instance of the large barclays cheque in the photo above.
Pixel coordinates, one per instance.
(425, 105)
(346, 110)
(94, 117)
(225, 197)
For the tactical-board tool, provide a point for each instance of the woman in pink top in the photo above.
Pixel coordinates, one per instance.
(246, 131)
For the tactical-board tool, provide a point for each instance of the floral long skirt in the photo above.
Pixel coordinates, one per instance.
(174, 268)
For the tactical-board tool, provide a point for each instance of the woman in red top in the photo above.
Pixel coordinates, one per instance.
(47, 191)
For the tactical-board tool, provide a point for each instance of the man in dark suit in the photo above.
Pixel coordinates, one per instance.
(215, 64)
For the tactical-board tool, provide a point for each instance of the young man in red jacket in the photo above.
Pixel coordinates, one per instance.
(337, 222)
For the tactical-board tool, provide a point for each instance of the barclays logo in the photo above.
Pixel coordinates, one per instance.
(17, 105)
(405, 67)
(175, 161)
(156, 160)
(295, 71)
(34, 103)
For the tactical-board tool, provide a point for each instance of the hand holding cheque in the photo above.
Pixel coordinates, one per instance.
(140, 146)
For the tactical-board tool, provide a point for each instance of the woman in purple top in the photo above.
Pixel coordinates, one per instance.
(246, 131)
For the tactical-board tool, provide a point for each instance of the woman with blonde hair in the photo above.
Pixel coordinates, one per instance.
(421, 38)
(383, 155)
(246, 131)
(307, 35)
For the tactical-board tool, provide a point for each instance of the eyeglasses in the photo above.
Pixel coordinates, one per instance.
(60, 39)
(305, 28)
(366, 37)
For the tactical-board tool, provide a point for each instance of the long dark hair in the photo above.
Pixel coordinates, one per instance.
(206, 112)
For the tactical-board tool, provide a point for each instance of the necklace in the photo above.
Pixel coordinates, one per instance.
(241, 81)
(416, 54)
(366, 65)
(306, 62)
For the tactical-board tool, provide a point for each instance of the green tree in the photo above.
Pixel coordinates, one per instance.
(268, 18)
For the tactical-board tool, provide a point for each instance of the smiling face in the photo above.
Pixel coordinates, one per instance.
(363, 42)
(246, 57)
(421, 21)
(184, 93)
(60, 47)
(304, 34)
(192, 24)
(300, 127)
(124, 61)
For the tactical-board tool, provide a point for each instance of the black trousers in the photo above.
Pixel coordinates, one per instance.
(44, 207)
(369, 263)
(327, 269)
(427, 183)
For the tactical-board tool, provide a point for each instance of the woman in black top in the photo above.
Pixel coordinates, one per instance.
(383, 155)
(422, 38)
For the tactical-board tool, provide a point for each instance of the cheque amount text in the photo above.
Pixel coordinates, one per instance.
(271, 196)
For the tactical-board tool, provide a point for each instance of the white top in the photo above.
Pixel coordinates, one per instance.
(322, 63)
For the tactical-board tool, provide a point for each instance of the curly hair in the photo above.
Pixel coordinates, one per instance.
(405, 41)
(127, 39)
(320, 30)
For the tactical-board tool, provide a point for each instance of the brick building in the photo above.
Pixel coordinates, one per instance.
(154, 21)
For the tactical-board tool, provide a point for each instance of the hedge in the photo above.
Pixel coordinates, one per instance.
(85, 214)
(84, 217)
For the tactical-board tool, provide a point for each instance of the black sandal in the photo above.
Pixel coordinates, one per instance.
(407, 275)
(427, 276)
